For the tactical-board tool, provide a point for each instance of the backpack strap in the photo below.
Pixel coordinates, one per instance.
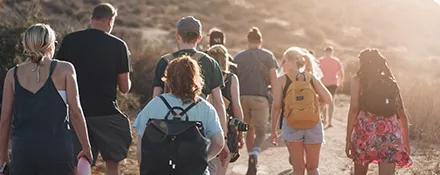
(189, 107)
(197, 55)
(168, 105)
(172, 110)
(170, 57)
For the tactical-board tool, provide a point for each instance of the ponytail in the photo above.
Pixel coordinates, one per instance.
(37, 41)
(254, 35)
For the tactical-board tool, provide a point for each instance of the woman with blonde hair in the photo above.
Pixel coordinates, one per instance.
(40, 99)
(231, 95)
(297, 98)
(184, 83)
(377, 129)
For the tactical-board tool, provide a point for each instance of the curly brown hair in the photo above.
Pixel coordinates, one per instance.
(183, 79)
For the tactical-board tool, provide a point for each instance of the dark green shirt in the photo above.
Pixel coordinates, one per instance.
(212, 75)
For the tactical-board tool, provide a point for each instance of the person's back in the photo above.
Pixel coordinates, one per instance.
(103, 65)
(256, 70)
(98, 58)
(331, 68)
(184, 83)
(37, 93)
(253, 71)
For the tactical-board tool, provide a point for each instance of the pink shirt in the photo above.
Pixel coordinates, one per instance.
(332, 69)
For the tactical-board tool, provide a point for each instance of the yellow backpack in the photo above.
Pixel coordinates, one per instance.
(301, 103)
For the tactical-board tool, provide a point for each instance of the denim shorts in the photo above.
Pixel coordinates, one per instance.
(313, 135)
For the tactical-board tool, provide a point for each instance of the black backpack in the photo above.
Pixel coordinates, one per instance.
(380, 96)
(174, 146)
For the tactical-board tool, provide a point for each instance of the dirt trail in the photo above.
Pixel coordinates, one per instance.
(274, 159)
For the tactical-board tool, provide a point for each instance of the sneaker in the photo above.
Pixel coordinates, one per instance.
(252, 165)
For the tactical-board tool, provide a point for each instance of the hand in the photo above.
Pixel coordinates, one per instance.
(274, 138)
(224, 155)
(348, 150)
(87, 153)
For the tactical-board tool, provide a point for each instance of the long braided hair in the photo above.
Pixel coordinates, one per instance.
(379, 90)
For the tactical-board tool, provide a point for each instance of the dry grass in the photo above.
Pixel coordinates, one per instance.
(148, 25)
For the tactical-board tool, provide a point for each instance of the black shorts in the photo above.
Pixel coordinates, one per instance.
(109, 135)
(332, 89)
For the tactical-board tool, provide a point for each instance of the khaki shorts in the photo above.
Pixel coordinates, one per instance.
(255, 110)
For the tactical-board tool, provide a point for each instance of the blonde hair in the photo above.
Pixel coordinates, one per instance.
(37, 41)
(221, 55)
(302, 57)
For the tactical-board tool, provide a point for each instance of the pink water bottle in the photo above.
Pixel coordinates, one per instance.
(83, 167)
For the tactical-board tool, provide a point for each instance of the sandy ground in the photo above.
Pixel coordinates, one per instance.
(274, 159)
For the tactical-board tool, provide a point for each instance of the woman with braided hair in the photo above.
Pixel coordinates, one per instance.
(377, 129)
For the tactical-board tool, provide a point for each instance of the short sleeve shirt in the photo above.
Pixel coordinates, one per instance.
(98, 58)
(211, 72)
(330, 67)
(253, 71)
(156, 109)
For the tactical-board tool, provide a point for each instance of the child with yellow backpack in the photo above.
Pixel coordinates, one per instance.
(297, 98)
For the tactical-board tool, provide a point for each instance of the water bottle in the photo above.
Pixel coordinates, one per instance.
(84, 167)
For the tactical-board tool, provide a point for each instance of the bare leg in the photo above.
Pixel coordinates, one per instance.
(360, 169)
(296, 155)
(250, 138)
(112, 168)
(312, 158)
(221, 170)
(387, 169)
(330, 111)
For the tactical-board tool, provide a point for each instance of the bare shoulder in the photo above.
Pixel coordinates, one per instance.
(65, 67)
(10, 74)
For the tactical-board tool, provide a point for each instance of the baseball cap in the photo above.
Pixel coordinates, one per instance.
(189, 24)
(216, 36)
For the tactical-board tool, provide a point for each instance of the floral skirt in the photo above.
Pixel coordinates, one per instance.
(378, 139)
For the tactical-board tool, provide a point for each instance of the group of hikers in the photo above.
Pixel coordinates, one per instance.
(205, 105)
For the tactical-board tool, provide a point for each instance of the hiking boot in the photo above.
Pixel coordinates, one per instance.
(252, 165)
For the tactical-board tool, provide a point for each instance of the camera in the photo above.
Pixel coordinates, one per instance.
(240, 125)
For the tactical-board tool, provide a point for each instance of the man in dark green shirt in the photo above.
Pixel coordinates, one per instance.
(188, 35)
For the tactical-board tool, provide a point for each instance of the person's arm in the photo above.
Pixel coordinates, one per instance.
(235, 98)
(236, 104)
(341, 74)
(324, 95)
(352, 113)
(219, 105)
(277, 93)
(158, 85)
(139, 150)
(76, 113)
(217, 144)
(6, 115)
(123, 69)
(404, 122)
(124, 82)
